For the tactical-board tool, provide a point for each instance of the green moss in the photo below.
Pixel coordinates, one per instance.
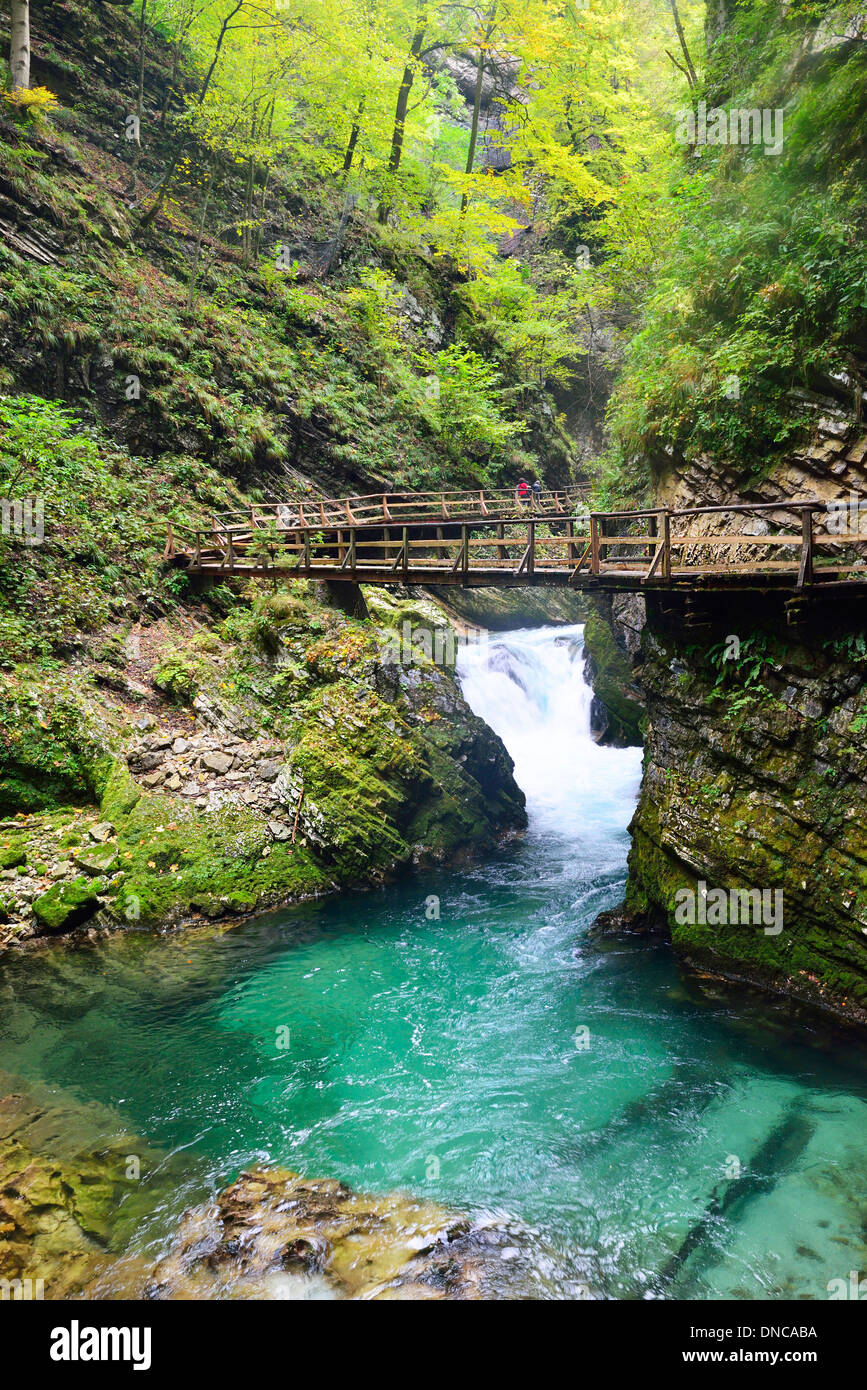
(67, 905)
(97, 860)
(120, 793)
(613, 680)
(12, 853)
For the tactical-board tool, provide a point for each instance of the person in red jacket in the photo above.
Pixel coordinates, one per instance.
(522, 492)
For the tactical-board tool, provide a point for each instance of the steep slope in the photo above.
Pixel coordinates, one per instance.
(167, 752)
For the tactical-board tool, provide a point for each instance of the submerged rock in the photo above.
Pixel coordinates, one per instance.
(274, 1234)
(73, 1188)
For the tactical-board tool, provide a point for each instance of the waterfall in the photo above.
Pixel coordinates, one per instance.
(529, 687)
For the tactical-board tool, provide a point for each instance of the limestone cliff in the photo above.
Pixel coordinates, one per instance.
(755, 768)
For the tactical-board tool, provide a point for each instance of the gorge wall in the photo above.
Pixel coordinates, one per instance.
(745, 381)
(755, 773)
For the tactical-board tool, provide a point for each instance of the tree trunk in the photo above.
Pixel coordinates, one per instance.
(139, 104)
(477, 97)
(353, 138)
(718, 17)
(170, 85)
(194, 269)
(403, 99)
(19, 48)
(153, 212)
(693, 80)
(257, 239)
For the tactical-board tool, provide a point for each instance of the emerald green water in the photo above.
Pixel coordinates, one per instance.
(444, 1056)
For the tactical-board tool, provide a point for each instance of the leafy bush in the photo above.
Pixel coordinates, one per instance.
(31, 103)
(467, 409)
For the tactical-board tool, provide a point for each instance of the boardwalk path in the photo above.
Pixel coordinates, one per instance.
(489, 539)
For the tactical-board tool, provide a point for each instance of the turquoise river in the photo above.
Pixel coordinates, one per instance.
(456, 1035)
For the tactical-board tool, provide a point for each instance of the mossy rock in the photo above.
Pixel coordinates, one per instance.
(13, 855)
(178, 679)
(120, 793)
(67, 905)
(98, 860)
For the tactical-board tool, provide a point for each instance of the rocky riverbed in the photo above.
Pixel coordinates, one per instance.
(74, 1186)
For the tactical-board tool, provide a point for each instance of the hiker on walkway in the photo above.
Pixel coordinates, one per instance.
(522, 492)
(537, 493)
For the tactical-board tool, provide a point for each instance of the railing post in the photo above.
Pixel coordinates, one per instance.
(465, 550)
(531, 547)
(570, 548)
(405, 552)
(666, 543)
(307, 550)
(805, 572)
(502, 552)
(198, 550)
(230, 550)
(594, 543)
(352, 547)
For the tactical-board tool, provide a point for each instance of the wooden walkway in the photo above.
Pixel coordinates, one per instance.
(748, 546)
(377, 508)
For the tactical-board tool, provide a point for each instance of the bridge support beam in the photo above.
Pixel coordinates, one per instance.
(343, 594)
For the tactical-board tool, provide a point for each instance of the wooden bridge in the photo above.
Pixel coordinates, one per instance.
(378, 508)
(486, 539)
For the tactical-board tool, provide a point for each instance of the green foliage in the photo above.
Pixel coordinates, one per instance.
(101, 512)
(177, 678)
(763, 291)
(467, 413)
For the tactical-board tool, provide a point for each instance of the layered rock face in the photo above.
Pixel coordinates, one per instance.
(757, 783)
(756, 766)
(612, 641)
(348, 761)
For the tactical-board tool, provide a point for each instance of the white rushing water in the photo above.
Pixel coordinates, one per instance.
(529, 687)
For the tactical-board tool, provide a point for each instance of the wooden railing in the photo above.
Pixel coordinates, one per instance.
(383, 508)
(625, 550)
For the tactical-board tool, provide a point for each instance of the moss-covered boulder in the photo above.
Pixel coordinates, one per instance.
(13, 853)
(97, 860)
(66, 905)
